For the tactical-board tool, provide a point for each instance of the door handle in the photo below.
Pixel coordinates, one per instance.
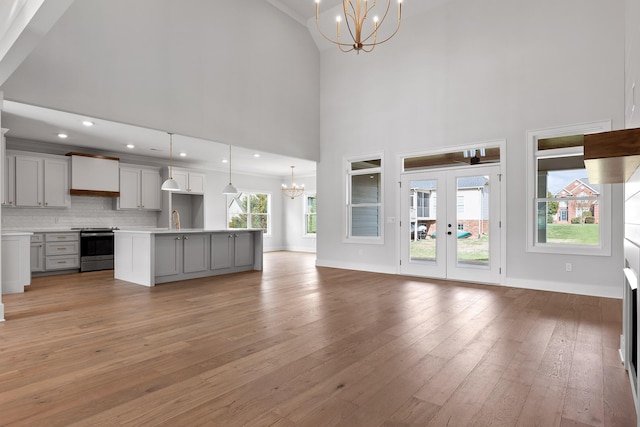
(449, 233)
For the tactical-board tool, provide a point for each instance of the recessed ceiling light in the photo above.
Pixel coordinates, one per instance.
(87, 123)
(183, 154)
(63, 135)
(224, 160)
(256, 155)
(131, 146)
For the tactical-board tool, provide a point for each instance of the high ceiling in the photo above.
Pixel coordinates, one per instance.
(39, 124)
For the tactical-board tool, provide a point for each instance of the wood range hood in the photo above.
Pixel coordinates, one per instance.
(612, 157)
(94, 175)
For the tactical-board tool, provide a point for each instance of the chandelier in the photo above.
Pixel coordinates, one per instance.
(355, 13)
(293, 191)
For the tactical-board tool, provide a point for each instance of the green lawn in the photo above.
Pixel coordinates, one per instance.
(472, 249)
(577, 234)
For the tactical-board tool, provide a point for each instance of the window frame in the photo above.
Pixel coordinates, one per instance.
(305, 218)
(533, 154)
(349, 173)
(267, 232)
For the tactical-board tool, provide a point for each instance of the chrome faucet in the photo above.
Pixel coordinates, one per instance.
(175, 218)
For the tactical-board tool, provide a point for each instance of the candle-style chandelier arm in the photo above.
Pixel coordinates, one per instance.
(355, 16)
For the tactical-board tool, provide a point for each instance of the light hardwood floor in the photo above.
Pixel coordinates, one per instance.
(300, 345)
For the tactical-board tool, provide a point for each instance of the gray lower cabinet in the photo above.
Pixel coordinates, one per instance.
(149, 258)
(196, 253)
(37, 253)
(229, 250)
(51, 252)
(168, 256)
(62, 251)
(181, 254)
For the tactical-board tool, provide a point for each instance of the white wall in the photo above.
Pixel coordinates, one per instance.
(216, 204)
(236, 72)
(294, 217)
(463, 73)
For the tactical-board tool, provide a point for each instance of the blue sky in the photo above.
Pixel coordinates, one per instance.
(557, 180)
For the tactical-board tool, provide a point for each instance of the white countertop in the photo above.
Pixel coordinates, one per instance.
(16, 233)
(43, 230)
(186, 230)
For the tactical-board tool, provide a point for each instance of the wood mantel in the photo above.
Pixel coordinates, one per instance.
(612, 157)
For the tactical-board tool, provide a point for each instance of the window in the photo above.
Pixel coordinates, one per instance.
(569, 214)
(249, 210)
(460, 205)
(310, 215)
(364, 200)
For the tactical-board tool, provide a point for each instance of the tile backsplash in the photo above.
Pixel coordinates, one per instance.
(84, 212)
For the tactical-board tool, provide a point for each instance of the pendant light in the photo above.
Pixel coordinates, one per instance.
(229, 189)
(170, 184)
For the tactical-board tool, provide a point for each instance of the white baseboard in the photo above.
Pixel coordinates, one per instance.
(358, 267)
(1, 312)
(569, 288)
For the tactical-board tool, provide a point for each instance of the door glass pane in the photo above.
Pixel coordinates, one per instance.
(422, 210)
(472, 239)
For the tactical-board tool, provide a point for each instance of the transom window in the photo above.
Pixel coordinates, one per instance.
(249, 210)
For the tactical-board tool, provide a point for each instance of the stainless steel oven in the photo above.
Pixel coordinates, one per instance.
(96, 249)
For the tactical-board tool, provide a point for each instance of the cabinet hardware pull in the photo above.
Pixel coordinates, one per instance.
(186, 238)
(235, 235)
(39, 203)
(46, 203)
(229, 236)
(62, 249)
(62, 262)
(177, 238)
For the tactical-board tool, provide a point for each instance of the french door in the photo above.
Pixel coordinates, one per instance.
(451, 224)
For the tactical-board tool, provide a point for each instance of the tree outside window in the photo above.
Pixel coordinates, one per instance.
(310, 215)
(249, 210)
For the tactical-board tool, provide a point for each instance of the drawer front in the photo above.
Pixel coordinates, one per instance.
(61, 248)
(60, 262)
(62, 237)
(37, 238)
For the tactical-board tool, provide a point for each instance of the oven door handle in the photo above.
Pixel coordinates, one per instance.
(96, 234)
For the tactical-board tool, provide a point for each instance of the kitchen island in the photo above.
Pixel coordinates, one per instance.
(149, 257)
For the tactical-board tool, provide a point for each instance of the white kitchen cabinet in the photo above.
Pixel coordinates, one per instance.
(188, 181)
(139, 188)
(41, 181)
(233, 249)
(16, 273)
(9, 184)
(37, 253)
(150, 184)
